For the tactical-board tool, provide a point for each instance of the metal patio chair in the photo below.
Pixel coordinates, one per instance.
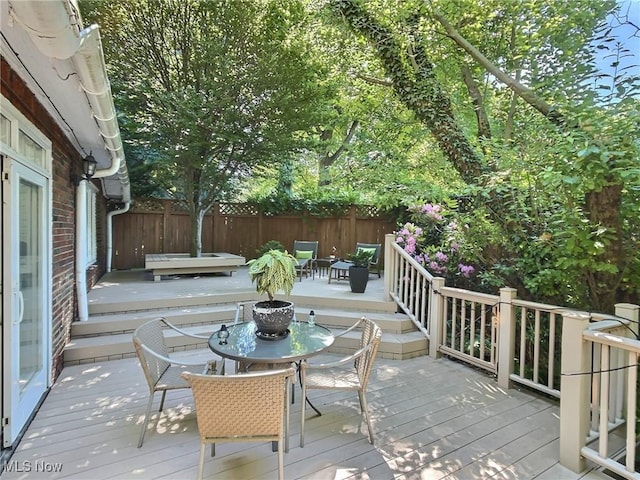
(306, 252)
(349, 373)
(162, 372)
(374, 263)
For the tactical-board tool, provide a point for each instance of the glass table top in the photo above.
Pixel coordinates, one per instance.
(243, 344)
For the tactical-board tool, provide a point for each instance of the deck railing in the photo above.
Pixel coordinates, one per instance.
(521, 341)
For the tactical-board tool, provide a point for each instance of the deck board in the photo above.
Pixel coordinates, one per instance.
(433, 419)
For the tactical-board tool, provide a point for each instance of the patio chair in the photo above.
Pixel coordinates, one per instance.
(306, 252)
(162, 372)
(244, 311)
(349, 373)
(242, 408)
(375, 248)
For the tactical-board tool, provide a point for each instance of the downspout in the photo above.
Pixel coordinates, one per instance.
(110, 216)
(81, 253)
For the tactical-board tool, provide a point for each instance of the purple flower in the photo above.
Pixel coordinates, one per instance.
(441, 257)
(465, 270)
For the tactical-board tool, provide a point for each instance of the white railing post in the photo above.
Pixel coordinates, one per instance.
(389, 265)
(436, 318)
(630, 312)
(574, 387)
(506, 336)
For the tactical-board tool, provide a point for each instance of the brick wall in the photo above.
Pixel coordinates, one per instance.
(66, 161)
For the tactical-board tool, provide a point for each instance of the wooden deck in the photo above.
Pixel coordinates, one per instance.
(434, 419)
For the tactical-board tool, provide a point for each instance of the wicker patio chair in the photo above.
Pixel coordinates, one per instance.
(349, 373)
(244, 311)
(161, 372)
(242, 408)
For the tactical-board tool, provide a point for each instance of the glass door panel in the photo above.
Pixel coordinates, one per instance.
(27, 303)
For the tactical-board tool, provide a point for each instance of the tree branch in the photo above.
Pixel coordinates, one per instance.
(523, 92)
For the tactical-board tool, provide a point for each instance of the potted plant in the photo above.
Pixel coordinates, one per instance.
(359, 271)
(272, 272)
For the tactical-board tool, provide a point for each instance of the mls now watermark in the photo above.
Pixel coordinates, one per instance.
(28, 466)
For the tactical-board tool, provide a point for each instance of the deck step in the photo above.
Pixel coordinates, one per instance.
(106, 335)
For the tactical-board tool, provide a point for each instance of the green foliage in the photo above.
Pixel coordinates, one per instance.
(360, 258)
(270, 245)
(274, 271)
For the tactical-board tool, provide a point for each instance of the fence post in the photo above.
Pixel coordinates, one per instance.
(630, 312)
(574, 390)
(436, 319)
(389, 265)
(506, 336)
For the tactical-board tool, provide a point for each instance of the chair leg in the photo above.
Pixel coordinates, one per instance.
(201, 461)
(146, 419)
(280, 460)
(302, 409)
(164, 394)
(365, 412)
(286, 417)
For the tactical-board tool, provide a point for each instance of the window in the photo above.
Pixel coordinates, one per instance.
(19, 139)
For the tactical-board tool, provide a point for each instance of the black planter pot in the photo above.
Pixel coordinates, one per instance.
(273, 318)
(358, 278)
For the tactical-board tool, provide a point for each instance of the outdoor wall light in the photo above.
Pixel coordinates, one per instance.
(89, 165)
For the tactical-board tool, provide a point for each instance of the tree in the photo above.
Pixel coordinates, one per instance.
(216, 89)
(598, 219)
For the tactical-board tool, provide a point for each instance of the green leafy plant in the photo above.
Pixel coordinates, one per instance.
(361, 258)
(274, 271)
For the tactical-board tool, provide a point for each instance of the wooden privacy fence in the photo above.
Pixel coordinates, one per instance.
(161, 226)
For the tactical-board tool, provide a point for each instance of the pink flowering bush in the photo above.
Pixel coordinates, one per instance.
(437, 244)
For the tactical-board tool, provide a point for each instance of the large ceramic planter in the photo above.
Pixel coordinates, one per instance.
(358, 279)
(273, 318)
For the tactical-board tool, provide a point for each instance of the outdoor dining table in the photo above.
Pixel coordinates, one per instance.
(244, 346)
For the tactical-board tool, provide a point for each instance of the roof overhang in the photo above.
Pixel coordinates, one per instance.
(63, 65)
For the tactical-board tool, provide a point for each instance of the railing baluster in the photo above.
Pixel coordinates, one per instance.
(483, 326)
(536, 347)
(603, 441)
(463, 324)
(523, 340)
(551, 365)
(632, 378)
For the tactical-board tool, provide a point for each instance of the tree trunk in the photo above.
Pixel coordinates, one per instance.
(484, 127)
(328, 158)
(603, 208)
(419, 90)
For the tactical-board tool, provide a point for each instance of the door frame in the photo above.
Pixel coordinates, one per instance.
(40, 174)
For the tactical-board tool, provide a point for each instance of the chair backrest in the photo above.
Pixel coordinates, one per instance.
(305, 246)
(376, 254)
(371, 337)
(244, 311)
(150, 335)
(245, 405)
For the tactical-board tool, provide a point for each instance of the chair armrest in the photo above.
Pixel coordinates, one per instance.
(337, 363)
(173, 361)
(187, 334)
(352, 327)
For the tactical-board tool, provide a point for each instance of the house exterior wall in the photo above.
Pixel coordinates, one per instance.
(66, 161)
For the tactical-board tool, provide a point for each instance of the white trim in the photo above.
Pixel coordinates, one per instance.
(20, 122)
